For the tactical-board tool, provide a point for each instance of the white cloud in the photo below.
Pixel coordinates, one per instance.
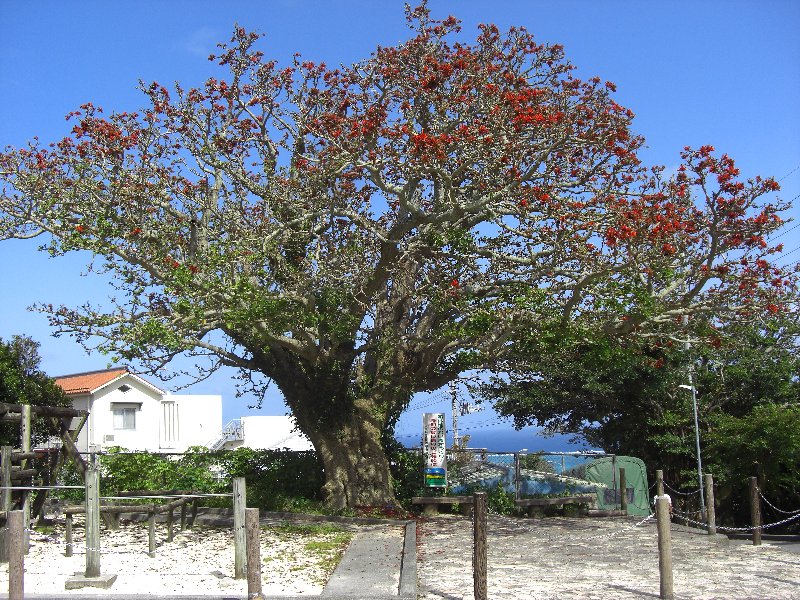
(200, 42)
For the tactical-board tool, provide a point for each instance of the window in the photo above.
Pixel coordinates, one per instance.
(124, 418)
(170, 430)
(124, 415)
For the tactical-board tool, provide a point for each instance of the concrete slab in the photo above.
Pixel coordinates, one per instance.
(371, 566)
(81, 581)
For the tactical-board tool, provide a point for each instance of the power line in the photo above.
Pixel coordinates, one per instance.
(790, 172)
(785, 254)
(782, 233)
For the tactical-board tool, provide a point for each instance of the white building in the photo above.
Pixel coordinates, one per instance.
(261, 433)
(126, 410)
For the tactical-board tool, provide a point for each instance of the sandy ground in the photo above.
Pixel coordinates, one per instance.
(200, 561)
(598, 559)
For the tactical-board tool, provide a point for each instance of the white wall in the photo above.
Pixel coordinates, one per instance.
(272, 432)
(101, 417)
(200, 419)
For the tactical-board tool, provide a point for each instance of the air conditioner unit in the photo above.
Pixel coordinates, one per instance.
(108, 438)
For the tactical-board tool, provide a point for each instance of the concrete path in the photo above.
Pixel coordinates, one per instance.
(372, 566)
(586, 559)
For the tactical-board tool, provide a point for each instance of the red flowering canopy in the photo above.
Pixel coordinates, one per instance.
(360, 234)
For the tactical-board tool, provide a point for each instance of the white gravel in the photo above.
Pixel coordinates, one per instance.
(198, 562)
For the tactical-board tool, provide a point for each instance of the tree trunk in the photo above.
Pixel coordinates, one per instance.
(345, 411)
(355, 462)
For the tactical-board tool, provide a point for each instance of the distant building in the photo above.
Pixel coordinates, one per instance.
(261, 433)
(128, 411)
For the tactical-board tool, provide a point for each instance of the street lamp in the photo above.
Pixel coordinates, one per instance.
(691, 388)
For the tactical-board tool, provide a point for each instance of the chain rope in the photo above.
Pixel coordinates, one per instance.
(775, 508)
(611, 534)
(672, 489)
(620, 531)
(686, 518)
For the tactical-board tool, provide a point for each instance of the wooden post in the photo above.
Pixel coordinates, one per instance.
(151, 532)
(25, 437)
(623, 490)
(5, 477)
(92, 523)
(5, 498)
(614, 475)
(659, 483)
(193, 514)
(68, 534)
(664, 548)
(239, 537)
(253, 532)
(711, 518)
(183, 516)
(170, 524)
(755, 511)
(479, 549)
(16, 555)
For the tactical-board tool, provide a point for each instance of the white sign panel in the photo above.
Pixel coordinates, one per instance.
(433, 449)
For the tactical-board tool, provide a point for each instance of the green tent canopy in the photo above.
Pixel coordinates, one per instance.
(606, 471)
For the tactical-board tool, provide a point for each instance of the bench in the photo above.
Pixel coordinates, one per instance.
(532, 503)
(431, 504)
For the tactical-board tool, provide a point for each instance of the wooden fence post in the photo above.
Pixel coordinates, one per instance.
(479, 549)
(25, 437)
(170, 524)
(192, 513)
(68, 534)
(239, 537)
(755, 511)
(664, 548)
(183, 516)
(711, 518)
(659, 483)
(623, 489)
(16, 555)
(92, 523)
(253, 534)
(5, 498)
(151, 532)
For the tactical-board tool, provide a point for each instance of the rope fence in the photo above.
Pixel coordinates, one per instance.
(685, 516)
(775, 508)
(672, 489)
(621, 530)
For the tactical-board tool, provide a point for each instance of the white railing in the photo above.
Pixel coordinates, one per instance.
(232, 432)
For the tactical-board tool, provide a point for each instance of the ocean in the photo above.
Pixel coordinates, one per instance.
(511, 440)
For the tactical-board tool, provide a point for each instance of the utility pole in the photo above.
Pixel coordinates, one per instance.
(691, 387)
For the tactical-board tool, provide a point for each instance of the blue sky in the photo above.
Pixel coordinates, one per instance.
(725, 73)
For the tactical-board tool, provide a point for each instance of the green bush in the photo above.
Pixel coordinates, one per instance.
(406, 470)
(121, 470)
(276, 479)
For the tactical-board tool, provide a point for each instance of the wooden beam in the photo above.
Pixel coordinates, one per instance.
(72, 451)
(43, 411)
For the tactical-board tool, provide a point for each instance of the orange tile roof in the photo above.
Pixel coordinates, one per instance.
(86, 383)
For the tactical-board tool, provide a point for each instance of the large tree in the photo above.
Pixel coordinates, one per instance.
(625, 397)
(360, 234)
(21, 382)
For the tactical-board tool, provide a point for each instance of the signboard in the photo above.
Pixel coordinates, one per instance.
(433, 449)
